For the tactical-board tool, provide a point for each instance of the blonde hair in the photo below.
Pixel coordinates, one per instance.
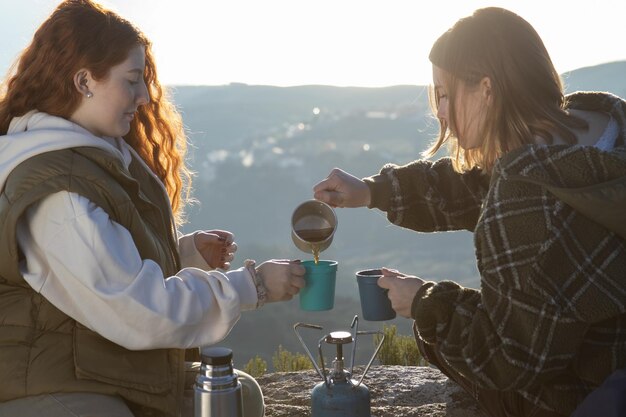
(83, 34)
(527, 92)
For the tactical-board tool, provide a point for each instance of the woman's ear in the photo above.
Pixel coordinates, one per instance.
(82, 79)
(485, 87)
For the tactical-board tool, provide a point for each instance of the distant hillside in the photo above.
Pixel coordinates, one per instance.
(606, 77)
(258, 151)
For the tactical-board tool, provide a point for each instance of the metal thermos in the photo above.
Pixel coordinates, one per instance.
(338, 395)
(217, 389)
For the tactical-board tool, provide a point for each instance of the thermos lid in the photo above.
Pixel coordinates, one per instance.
(217, 355)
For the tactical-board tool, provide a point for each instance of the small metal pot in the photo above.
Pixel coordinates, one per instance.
(313, 224)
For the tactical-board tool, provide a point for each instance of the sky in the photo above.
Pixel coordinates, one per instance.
(368, 43)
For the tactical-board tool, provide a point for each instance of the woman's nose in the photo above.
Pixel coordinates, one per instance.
(143, 96)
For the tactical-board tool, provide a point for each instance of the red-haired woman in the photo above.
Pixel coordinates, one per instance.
(540, 178)
(99, 296)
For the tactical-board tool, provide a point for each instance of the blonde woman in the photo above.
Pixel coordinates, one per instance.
(540, 179)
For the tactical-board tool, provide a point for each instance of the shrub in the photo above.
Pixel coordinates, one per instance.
(256, 367)
(285, 361)
(398, 349)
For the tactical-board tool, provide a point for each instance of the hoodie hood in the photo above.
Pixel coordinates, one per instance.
(603, 201)
(36, 133)
(590, 180)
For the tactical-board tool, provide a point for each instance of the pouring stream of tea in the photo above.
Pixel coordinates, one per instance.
(313, 236)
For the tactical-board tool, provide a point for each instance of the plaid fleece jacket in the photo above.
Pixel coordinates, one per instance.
(549, 320)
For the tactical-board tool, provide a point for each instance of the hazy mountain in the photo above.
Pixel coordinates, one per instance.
(607, 77)
(258, 151)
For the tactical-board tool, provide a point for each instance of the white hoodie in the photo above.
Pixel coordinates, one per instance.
(87, 265)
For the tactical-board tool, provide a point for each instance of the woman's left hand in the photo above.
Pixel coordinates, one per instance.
(402, 289)
(217, 247)
(282, 278)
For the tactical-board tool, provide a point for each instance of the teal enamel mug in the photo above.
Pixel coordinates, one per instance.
(319, 291)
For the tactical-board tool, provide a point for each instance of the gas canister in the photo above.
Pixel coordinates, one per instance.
(338, 395)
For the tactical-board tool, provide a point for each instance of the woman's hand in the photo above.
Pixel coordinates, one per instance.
(402, 289)
(341, 189)
(282, 278)
(217, 247)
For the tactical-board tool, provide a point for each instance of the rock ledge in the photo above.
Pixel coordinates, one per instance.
(409, 391)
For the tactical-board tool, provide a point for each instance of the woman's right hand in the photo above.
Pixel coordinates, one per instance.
(341, 189)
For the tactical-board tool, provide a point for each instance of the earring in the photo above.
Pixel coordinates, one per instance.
(89, 94)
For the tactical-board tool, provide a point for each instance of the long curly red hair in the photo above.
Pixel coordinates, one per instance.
(83, 34)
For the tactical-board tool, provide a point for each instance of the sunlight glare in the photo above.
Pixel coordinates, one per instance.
(366, 43)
